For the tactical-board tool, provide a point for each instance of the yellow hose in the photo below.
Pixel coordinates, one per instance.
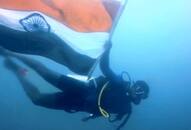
(103, 112)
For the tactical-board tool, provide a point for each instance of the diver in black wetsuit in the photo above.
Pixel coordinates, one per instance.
(102, 96)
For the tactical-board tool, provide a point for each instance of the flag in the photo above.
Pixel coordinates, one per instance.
(81, 27)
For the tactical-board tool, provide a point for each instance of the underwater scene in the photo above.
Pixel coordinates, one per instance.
(95, 65)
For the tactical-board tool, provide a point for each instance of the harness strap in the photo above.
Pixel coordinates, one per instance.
(103, 112)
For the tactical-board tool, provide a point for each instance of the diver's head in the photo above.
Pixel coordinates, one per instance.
(136, 90)
(139, 90)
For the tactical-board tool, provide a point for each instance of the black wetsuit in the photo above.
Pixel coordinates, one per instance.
(75, 95)
(80, 96)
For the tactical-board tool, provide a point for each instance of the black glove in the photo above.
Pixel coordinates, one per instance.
(108, 45)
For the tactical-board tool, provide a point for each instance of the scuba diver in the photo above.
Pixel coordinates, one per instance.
(110, 96)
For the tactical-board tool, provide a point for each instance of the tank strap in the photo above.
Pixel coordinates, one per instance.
(103, 112)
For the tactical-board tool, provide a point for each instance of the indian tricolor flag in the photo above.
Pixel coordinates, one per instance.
(80, 28)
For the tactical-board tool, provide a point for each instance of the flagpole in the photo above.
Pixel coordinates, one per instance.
(115, 23)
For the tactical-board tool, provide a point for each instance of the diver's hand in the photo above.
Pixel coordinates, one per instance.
(91, 116)
(108, 45)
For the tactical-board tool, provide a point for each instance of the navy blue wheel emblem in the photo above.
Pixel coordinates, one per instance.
(35, 23)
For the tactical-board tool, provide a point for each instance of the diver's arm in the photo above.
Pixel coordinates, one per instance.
(104, 63)
(124, 121)
(117, 118)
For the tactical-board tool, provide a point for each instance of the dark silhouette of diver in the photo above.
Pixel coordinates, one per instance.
(102, 96)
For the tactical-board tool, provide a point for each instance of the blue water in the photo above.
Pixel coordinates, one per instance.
(152, 42)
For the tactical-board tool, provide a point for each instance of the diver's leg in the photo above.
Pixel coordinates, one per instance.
(47, 74)
(31, 91)
(54, 101)
(60, 81)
